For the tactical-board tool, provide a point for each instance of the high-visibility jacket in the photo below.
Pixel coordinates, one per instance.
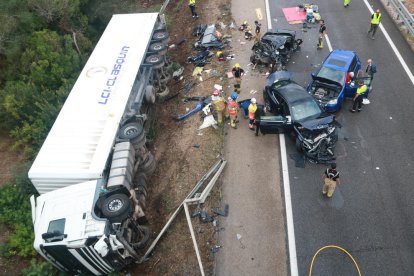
(191, 2)
(232, 107)
(362, 89)
(252, 110)
(219, 104)
(376, 17)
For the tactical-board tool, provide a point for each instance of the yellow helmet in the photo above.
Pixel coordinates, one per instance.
(237, 65)
(245, 22)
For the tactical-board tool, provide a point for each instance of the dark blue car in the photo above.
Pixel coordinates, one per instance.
(329, 86)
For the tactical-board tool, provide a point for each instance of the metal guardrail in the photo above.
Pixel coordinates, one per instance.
(403, 14)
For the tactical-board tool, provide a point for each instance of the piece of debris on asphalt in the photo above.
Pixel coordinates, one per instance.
(239, 237)
(196, 146)
(229, 75)
(215, 249)
(223, 213)
(197, 71)
(242, 42)
(208, 121)
(377, 168)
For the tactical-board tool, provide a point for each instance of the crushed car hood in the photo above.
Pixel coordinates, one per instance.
(324, 80)
(319, 123)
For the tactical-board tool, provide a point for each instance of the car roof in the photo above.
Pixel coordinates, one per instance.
(339, 60)
(293, 92)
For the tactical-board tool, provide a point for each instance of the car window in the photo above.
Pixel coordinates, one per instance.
(280, 83)
(332, 74)
(305, 109)
(353, 65)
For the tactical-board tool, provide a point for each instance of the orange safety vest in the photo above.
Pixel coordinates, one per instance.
(232, 107)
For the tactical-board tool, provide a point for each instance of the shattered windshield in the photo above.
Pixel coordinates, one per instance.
(332, 74)
(305, 109)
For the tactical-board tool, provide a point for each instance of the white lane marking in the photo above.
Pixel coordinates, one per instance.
(286, 187)
(394, 48)
(289, 213)
(269, 19)
(329, 43)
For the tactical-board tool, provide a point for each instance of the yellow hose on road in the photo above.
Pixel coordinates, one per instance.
(337, 247)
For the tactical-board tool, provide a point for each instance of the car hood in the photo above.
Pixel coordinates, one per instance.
(278, 75)
(324, 80)
(318, 123)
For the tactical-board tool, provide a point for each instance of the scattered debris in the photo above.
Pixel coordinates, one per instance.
(229, 75)
(222, 25)
(197, 71)
(239, 237)
(223, 213)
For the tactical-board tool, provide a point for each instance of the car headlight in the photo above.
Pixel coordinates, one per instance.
(334, 101)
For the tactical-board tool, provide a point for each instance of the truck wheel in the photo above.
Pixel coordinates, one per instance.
(149, 165)
(160, 37)
(150, 94)
(116, 207)
(130, 131)
(156, 61)
(158, 47)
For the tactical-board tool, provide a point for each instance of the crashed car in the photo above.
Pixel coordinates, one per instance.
(293, 110)
(275, 48)
(328, 85)
(210, 39)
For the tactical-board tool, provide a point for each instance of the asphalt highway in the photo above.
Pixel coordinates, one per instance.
(371, 212)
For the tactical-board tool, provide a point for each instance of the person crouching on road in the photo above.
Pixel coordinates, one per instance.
(233, 109)
(359, 96)
(219, 105)
(252, 110)
(331, 176)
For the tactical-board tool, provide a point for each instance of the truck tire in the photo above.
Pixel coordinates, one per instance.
(130, 131)
(156, 61)
(150, 94)
(116, 207)
(158, 47)
(160, 36)
(149, 165)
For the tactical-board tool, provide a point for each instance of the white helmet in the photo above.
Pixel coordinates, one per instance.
(253, 100)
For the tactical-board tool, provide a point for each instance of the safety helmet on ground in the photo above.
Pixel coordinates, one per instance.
(216, 92)
(253, 100)
(234, 96)
(237, 65)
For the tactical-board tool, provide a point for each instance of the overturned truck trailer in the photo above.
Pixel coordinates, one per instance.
(92, 169)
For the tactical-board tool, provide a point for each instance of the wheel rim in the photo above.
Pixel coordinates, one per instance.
(131, 130)
(115, 205)
(153, 59)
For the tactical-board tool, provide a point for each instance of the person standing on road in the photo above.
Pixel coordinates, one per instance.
(252, 111)
(346, 3)
(331, 178)
(322, 29)
(192, 5)
(219, 105)
(257, 31)
(371, 69)
(238, 73)
(233, 109)
(359, 96)
(375, 21)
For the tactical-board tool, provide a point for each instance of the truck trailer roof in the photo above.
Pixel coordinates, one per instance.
(79, 143)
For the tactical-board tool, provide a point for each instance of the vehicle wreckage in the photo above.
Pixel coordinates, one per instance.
(275, 49)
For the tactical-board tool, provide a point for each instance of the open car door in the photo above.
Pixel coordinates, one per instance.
(273, 124)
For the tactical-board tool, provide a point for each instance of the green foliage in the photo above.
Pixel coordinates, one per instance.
(40, 268)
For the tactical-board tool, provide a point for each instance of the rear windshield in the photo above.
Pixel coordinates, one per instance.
(332, 74)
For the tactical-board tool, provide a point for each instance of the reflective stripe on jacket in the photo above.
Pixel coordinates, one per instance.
(376, 17)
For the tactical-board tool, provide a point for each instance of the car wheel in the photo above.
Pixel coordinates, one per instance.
(130, 131)
(149, 165)
(116, 207)
(298, 145)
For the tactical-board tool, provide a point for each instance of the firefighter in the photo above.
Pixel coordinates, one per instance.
(238, 73)
(252, 110)
(219, 105)
(233, 109)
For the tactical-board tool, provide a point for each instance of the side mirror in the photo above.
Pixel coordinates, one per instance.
(313, 75)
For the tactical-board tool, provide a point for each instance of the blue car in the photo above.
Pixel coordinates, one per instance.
(329, 86)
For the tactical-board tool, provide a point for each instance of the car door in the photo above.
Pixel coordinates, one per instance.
(355, 67)
(278, 122)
